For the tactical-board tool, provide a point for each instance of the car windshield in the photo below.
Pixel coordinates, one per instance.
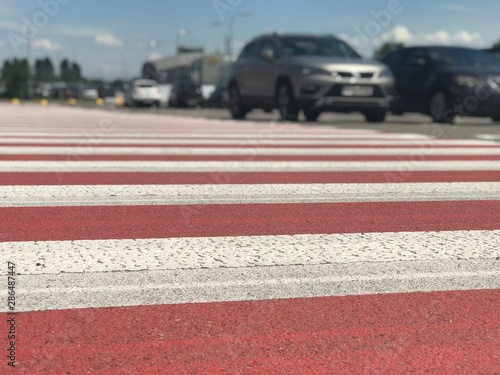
(463, 57)
(310, 46)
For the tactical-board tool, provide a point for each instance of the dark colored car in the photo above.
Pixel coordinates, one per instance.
(218, 98)
(494, 51)
(308, 73)
(185, 94)
(446, 82)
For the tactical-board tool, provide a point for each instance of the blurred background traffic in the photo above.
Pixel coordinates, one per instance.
(198, 64)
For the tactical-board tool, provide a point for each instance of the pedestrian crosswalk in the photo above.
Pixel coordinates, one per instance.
(173, 245)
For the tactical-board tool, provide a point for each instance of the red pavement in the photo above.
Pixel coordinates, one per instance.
(440, 333)
(126, 178)
(124, 222)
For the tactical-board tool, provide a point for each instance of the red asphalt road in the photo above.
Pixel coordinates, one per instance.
(441, 332)
(124, 222)
(195, 178)
(438, 333)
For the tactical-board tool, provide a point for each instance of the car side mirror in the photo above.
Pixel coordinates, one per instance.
(267, 55)
(419, 62)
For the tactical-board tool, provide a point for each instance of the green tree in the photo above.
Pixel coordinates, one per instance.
(70, 71)
(385, 49)
(497, 44)
(44, 70)
(15, 74)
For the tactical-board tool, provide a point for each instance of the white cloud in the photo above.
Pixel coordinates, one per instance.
(77, 31)
(2, 44)
(46, 44)
(401, 34)
(10, 25)
(155, 56)
(110, 68)
(442, 37)
(108, 40)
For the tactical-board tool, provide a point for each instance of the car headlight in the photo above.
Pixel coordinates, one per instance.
(385, 73)
(467, 81)
(314, 72)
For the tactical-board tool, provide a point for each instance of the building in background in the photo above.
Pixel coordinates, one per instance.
(203, 70)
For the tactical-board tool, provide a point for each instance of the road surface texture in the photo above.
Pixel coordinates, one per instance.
(151, 243)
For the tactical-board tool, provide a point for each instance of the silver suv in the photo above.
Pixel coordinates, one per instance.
(308, 73)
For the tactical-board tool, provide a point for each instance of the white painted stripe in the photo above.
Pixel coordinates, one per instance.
(167, 128)
(488, 137)
(245, 166)
(244, 251)
(110, 289)
(90, 150)
(112, 195)
(93, 135)
(249, 141)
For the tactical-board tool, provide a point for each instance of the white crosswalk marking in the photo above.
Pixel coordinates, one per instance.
(104, 210)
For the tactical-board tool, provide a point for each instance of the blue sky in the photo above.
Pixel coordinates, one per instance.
(110, 38)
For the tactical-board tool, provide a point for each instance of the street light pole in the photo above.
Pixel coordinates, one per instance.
(151, 44)
(229, 46)
(180, 33)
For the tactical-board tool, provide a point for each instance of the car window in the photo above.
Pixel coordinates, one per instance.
(414, 54)
(250, 50)
(268, 47)
(463, 57)
(394, 59)
(311, 46)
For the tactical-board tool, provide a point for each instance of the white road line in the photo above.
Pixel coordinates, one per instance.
(54, 257)
(249, 141)
(107, 289)
(122, 195)
(88, 149)
(488, 137)
(403, 167)
(92, 135)
(140, 288)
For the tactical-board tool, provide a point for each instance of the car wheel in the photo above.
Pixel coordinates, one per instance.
(496, 118)
(376, 115)
(236, 107)
(286, 103)
(312, 115)
(439, 108)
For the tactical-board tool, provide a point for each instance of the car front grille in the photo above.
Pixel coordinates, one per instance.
(336, 90)
(352, 75)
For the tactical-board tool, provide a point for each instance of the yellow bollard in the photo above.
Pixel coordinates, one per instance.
(44, 102)
(120, 101)
(72, 101)
(99, 101)
(15, 101)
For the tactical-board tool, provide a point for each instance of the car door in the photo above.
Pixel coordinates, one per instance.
(394, 62)
(266, 71)
(243, 70)
(414, 77)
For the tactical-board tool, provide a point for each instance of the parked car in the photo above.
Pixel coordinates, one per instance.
(308, 73)
(446, 82)
(185, 94)
(219, 98)
(143, 92)
(494, 51)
